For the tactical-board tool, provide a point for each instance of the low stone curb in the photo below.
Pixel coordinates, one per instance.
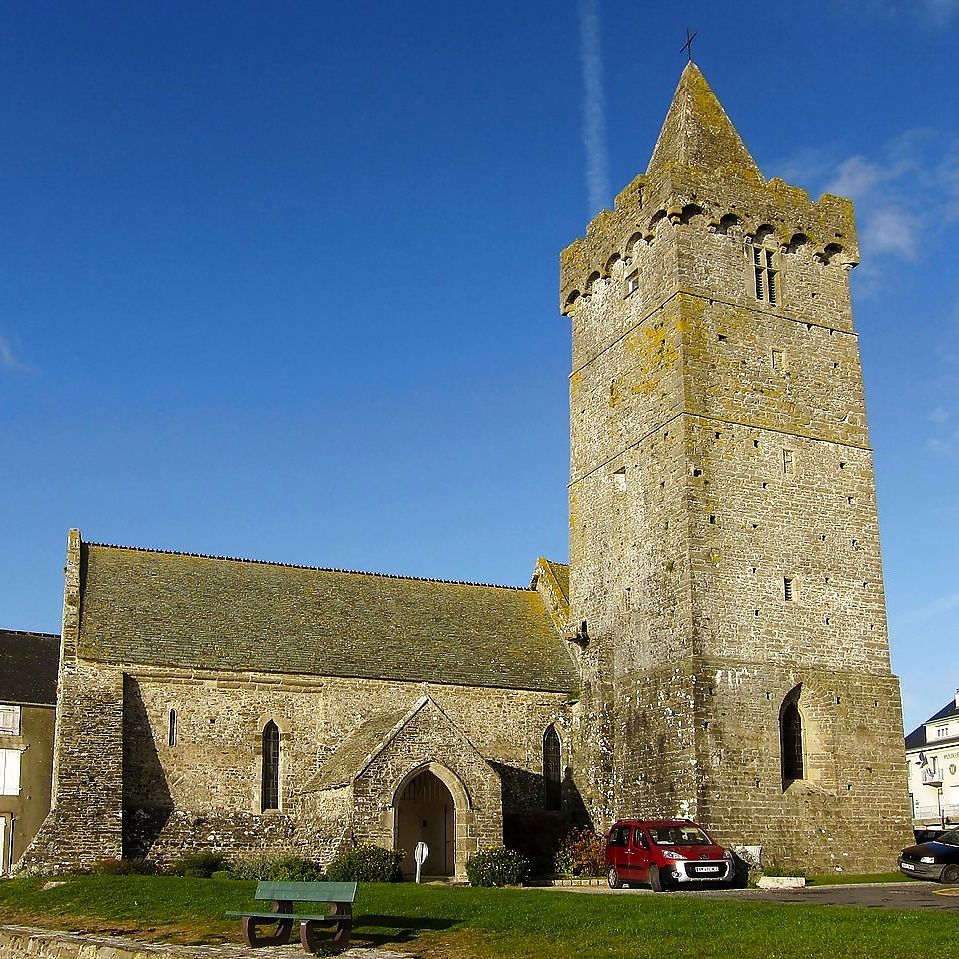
(568, 882)
(27, 942)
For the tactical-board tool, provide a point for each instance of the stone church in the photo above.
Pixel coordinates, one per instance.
(716, 647)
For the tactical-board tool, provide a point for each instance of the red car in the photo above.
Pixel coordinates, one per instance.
(664, 853)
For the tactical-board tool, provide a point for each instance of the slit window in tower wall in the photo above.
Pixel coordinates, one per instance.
(764, 275)
(632, 282)
(787, 589)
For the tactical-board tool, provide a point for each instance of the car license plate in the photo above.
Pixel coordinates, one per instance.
(708, 869)
(908, 865)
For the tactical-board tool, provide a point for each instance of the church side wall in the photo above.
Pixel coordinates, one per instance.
(204, 790)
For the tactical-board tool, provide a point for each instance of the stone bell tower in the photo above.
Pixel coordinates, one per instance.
(725, 576)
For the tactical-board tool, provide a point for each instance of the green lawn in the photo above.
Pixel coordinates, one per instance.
(463, 923)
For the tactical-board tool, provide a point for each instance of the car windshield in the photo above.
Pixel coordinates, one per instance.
(951, 838)
(679, 836)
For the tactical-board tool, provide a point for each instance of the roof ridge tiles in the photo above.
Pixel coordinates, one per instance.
(318, 569)
(28, 632)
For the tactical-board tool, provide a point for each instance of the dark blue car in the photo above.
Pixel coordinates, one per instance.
(937, 859)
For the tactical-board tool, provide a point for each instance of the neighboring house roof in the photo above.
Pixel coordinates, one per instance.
(917, 738)
(182, 610)
(29, 666)
(948, 711)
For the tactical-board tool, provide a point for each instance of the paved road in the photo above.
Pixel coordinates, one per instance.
(887, 895)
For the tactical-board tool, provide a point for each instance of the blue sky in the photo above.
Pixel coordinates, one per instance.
(279, 280)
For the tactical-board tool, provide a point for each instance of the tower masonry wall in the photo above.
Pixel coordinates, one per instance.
(724, 541)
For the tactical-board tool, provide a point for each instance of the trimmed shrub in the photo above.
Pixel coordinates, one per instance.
(367, 864)
(199, 865)
(125, 867)
(497, 866)
(581, 853)
(278, 869)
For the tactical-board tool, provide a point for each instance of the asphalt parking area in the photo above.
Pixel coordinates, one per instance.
(886, 895)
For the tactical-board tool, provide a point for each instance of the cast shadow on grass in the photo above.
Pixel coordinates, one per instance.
(366, 929)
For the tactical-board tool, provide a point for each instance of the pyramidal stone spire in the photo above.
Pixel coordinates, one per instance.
(697, 133)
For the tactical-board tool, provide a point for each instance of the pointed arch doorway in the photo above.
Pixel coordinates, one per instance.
(425, 812)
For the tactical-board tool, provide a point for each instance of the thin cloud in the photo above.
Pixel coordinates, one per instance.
(857, 177)
(906, 193)
(890, 230)
(938, 607)
(940, 11)
(943, 420)
(594, 107)
(934, 13)
(7, 359)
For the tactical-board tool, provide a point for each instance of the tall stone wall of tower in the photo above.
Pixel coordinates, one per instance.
(724, 543)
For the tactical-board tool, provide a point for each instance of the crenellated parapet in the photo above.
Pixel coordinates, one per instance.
(775, 213)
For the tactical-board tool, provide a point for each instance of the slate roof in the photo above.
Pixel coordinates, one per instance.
(357, 751)
(353, 753)
(917, 738)
(29, 666)
(182, 610)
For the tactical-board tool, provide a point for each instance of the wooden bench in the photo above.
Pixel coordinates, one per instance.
(339, 895)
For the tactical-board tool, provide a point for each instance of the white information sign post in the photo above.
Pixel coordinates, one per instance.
(421, 853)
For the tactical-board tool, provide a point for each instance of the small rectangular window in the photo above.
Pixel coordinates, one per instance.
(787, 589)
(789, 461)
(764, 275)
(632, 282)
(942, 732)
(9, 772)
(9, 720)
(619, 479)
(778, 360)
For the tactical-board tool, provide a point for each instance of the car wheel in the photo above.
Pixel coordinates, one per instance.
(656, 879)
(612, 877)
(950, 875)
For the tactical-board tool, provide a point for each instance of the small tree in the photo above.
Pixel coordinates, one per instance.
(581, 853)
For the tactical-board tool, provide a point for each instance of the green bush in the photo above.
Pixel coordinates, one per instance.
(199, 865)
(497, 866)
(367, 864)
(278, 869)
(581, 853)
(125, 867)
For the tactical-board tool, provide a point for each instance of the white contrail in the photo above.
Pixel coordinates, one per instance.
(594, 109)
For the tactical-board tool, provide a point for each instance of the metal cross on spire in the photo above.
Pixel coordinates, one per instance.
(687, 47)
